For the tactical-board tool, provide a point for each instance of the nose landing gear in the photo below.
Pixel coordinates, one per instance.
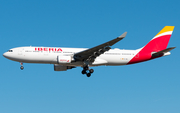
(85, 69)
(22, 67)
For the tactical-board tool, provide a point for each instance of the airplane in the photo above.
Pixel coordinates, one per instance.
(69, 58)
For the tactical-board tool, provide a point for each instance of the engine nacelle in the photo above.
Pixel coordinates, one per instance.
(62, 68)
(64, 59)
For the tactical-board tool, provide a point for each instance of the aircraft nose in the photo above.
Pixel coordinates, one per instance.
(5, 54)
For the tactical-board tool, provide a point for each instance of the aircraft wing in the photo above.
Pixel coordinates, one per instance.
(92, 53)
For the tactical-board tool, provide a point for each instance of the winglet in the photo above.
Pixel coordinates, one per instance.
(123, 35)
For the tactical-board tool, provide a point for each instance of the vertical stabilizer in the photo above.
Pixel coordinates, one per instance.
(161, 40)
(158, 43)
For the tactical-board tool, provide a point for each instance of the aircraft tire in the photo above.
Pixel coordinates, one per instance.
(83, 72)
(91, 70)
(21, 67)
(88, 74)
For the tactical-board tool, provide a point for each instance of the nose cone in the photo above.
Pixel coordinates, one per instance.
(5, 54)
(10, 56)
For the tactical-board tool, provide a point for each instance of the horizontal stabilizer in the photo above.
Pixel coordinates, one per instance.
(161, 53)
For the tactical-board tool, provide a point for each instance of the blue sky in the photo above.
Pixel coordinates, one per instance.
(148, 87)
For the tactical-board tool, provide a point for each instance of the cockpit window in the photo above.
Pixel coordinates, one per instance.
(10, 50)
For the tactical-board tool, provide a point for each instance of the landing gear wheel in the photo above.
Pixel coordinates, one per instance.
(83, 72)
(88, 74)
(91, 71)
(87, 71)
(21, 67)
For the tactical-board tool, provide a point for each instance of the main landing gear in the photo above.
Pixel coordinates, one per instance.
(22, 67)
(85, 69)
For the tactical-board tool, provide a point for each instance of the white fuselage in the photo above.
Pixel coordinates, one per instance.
(49, 55)
(68, 58)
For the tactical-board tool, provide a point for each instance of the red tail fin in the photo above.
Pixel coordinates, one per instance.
(158, 43)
